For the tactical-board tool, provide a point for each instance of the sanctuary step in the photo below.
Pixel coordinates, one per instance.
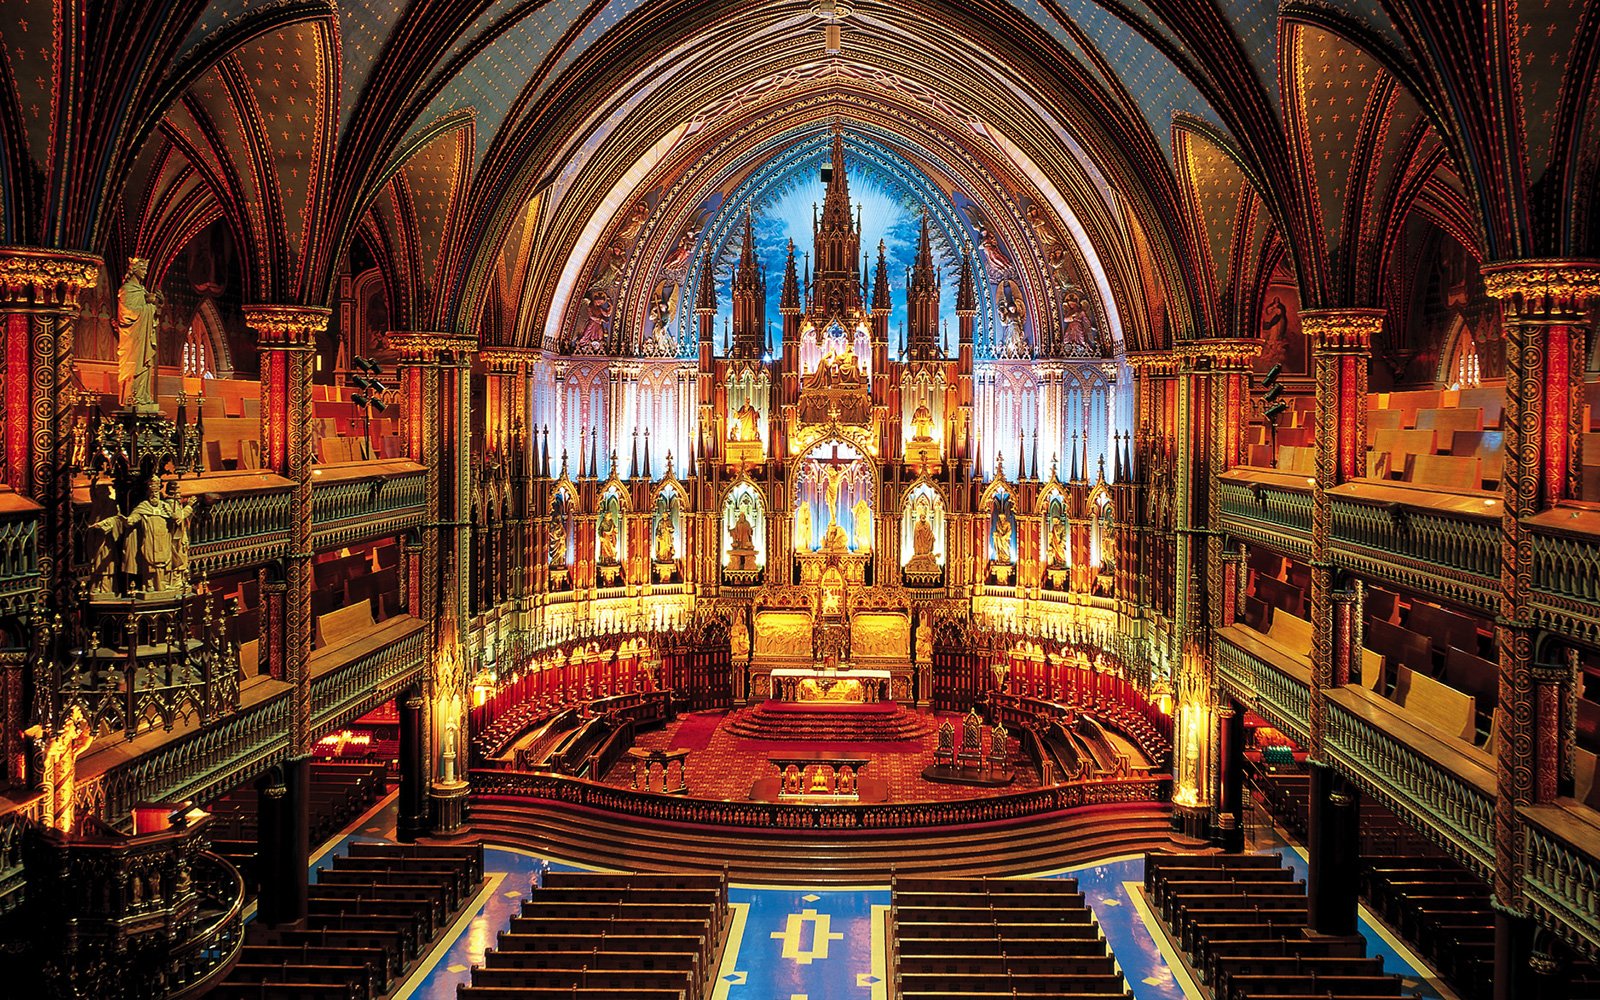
(825, 722)
(766, 853)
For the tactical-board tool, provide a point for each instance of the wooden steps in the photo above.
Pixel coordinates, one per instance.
(1013, 847)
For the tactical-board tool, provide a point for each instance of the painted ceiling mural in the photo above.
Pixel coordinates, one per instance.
(297, 121)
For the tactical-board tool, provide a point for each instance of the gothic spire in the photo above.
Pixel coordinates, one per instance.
(880, 293)
(791, 284)
(966, 291)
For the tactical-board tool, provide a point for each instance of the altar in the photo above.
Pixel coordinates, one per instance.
(838, 686)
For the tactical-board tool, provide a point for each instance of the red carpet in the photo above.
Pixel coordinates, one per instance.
(724, 766)
(694, 732)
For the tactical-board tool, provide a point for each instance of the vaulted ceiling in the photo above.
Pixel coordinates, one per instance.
(491, 153)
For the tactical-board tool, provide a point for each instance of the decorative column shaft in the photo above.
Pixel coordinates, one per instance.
(39, 303)
(1342, 353)
(287, 339)
(439, 372)
(1545, 305)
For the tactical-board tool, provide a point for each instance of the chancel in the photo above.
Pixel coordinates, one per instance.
(727, 500)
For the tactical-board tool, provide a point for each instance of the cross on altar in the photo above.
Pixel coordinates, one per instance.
(833, 475)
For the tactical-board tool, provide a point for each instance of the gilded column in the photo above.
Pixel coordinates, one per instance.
(286, 336)
(1192, 789)
(1342, 352)
(1545, 306)
(440, 366)
(287, 339)
(39, 303)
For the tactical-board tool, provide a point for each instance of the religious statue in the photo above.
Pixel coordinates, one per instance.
(558, 541)
(1056, 549)
(1001, 536)
(147, 544)
(597, 305)
(179, 511)
(923, 561)
(802, 526)
(136, 338)
(608, 537)
(924, 642)
(1076, 336)
(833, 478)
(104, 543)
(746, 424)
(742, 534)
(922, 423)
(863, 517)
(59, 771)
(666, 547)
(739, 640)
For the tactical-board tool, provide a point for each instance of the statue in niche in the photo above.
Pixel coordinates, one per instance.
(922, 423)
(147, 544)
(558, 540)
(924, 651)
(1001, 536)
(597, 308)
(863, 517)
(923, 561)
(608, 537)
(742, 534)
(1077, 337)
(802, 526)
(1056, 548)
(746, 423)
(1013, 321)
(137, 324)
(666, 547)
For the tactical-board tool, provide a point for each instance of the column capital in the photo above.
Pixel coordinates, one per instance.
(1153, 364)
(432, 346)
(505, 360)
(287, 328)
(1342, 331)
(1552, 289)
(42, 278)
(1224, 353)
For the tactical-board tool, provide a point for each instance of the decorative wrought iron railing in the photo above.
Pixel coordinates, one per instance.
(209, 954)
(1278, 692)
(660, 807)
(360, 685)
(1566, 573)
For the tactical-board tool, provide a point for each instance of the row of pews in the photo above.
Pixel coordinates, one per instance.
(980, 937)
(1241, 920)
(372, 915)
(339, 793)
(585, 934)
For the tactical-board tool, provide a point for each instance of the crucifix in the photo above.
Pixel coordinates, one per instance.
(833, 470)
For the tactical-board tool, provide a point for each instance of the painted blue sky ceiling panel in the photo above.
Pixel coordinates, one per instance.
(365, 26)
(492, 81)
(1156, 85)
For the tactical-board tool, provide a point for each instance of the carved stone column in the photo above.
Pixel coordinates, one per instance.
(1545, 305)
(438, 375)
(1194, 742)
(287, 339)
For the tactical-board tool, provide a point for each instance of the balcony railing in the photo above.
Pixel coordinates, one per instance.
(1447, 791)
(19, 552)
(365, 500)
(1268, 508)
(1563, 875)
(1566, 571)
(1439, 543)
